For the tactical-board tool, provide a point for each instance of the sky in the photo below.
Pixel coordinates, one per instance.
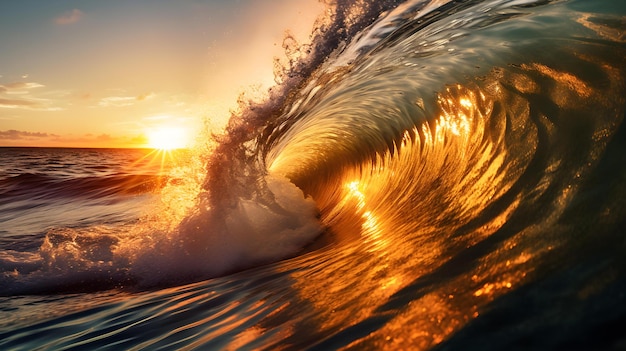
(110, 73)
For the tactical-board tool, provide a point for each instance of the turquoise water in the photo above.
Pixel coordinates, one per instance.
(430, 175)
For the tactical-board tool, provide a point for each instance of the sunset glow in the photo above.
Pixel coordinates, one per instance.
(168, 138)
(114, 70)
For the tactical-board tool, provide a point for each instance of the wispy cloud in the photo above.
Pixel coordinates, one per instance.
(13, 134)
(16, 88)
(121, 101)
(18, 103)
(69, 17)
(19, 86)
(117, 101)
(17, 95)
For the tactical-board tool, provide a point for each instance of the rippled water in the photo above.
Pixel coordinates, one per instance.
(459, 184)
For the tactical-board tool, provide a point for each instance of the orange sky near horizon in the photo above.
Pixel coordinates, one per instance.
(108, 74)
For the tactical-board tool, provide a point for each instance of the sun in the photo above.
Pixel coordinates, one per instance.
(167, 138)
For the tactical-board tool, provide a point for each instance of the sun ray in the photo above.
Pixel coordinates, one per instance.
(167, 138)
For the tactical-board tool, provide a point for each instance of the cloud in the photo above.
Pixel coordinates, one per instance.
(16, 95)
(117, 101)
(11, 87)
(30, 104)
(69, 17)
(121, 101)
(13, 134)
(18, 88)
(18, 103)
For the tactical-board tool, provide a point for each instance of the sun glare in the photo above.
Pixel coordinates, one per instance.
(167, 138)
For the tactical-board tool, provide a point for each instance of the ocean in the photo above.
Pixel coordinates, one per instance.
(425, 175)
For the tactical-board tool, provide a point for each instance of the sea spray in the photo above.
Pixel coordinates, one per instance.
(214, 241)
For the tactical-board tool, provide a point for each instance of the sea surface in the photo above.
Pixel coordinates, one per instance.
(426, 174)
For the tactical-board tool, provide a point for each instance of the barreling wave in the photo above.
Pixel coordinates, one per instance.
(459, 117)
(442, 130)
(452, 115)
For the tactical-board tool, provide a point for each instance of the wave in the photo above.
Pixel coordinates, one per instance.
(444, 128)
(456, 118)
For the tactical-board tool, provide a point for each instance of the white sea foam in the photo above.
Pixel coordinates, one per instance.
(217, 241)
(206, 244)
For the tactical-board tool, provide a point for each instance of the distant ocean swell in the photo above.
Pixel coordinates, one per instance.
(430, 168)
(29, 185)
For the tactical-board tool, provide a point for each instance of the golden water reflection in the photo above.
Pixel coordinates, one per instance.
(409, 207)
(425, 240)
